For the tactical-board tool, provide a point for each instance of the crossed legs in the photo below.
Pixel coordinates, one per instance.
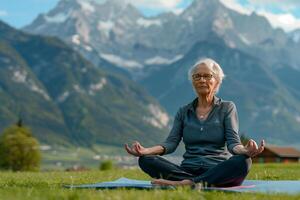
(231, 172)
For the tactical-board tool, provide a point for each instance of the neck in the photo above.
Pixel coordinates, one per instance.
(205, 100)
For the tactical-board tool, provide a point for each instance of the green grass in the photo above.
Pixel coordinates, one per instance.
(48, 185)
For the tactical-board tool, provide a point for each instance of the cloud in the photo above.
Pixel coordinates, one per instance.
(278, 13)
(286, 5)
(156, 4)
(286, 21)
(234, 5)
(3, 13)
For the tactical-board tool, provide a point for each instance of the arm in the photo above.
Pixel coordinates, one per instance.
(233, 140)
(175, 136)
(231, 127)
(168, 146)
(234, 144)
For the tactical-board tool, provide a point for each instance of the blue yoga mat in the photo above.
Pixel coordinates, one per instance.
(289, 187)
(121, 183)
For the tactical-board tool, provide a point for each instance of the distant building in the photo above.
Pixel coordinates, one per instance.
(275, 154)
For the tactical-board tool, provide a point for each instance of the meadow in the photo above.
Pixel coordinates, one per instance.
(48, 185)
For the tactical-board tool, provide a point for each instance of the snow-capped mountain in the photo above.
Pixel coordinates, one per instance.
(158, 51)
(118, 33)
(66, 100)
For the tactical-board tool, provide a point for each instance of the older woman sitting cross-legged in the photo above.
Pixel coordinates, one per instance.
(207, 126)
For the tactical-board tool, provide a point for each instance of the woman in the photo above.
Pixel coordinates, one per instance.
(208, 127)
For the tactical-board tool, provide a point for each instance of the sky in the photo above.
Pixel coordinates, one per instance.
(284, 14)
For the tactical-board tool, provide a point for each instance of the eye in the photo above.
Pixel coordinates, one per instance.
(196, 76)
(207, 76)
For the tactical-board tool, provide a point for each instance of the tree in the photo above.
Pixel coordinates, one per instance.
(107, 165)
(19, 150)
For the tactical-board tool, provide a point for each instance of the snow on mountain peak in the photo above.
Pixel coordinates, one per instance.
(105, 27)
(158, 60)
(58, 18)
(159, 118)
(98, 86)
(147, 22)
(129, 64)
(19, 76)
(86, 6)
(296, 36)
(76, 39)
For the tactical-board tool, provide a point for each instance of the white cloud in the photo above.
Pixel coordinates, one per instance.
(286, 5)
(234, 5)
(3, 13)
(159, 5)
(285, 20)
(156, 4)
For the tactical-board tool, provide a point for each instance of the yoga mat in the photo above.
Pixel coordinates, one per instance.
(281, 186)
(121, 183)
(263, 186)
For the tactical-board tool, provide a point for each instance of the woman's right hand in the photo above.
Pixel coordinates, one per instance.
(136, 149)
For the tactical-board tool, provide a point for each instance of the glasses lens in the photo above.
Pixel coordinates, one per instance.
(197, 77)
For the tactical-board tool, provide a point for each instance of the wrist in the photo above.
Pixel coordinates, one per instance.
(147, 151)
(240, 150)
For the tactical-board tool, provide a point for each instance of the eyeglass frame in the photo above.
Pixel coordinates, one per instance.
(206, 77)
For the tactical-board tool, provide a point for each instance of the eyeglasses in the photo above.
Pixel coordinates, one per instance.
(197, 77)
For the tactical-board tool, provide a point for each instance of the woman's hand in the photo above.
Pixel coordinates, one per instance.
(252, 149)
(165, 182)
(136, 149)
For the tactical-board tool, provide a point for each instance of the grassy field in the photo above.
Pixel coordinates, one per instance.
(48, 185)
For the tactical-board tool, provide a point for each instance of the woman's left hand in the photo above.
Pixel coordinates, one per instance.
(173, 183)
(252, 149)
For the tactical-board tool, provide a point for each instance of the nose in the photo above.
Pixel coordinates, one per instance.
(202, 79)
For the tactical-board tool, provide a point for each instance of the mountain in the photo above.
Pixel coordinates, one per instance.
(116, 32)
(113, 31)
(261, 63)
(66, 100)
(266, 108)
(295, 36)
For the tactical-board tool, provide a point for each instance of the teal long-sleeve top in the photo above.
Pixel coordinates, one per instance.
(207, 142)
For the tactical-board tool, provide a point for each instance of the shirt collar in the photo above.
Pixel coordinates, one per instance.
(193, 104)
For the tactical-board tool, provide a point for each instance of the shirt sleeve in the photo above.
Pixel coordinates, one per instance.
(175, 135)
(231, 124)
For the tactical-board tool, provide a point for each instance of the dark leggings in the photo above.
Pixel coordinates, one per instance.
(231, 172)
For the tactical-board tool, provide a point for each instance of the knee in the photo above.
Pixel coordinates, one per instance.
(245, 162)
(146, 160)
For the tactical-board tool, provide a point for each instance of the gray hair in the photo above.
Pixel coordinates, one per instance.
(214, 68)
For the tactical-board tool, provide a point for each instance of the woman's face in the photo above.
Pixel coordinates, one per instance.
(204, 81)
